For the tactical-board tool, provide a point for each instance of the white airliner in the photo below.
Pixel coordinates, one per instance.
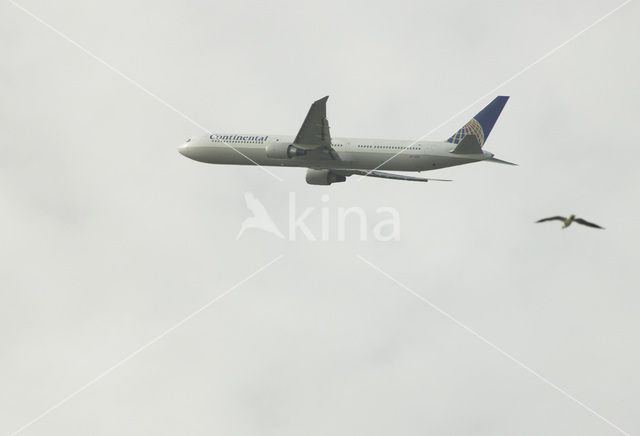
(331, 160)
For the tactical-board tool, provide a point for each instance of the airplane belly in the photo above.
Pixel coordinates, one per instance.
(382, 161)
(225, 155)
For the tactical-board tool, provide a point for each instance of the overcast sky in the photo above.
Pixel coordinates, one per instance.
(110, 237)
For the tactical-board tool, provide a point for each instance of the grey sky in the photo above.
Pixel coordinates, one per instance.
(110, 236)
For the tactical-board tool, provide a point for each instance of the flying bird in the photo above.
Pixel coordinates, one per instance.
(567, 221)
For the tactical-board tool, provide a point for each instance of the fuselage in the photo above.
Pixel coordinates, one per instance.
(353, 153)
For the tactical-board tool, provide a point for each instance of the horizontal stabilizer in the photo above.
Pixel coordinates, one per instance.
(500, 161)
(468, 145)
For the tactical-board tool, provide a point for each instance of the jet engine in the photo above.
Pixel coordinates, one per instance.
(282, 150)
(323, 177)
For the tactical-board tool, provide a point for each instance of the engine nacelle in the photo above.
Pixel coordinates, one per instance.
(323, 177)
(282, 150)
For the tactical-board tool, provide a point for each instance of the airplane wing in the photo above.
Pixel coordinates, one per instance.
(384, 175)
(314, 133)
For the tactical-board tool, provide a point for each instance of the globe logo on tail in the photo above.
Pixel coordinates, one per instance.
(473, 127)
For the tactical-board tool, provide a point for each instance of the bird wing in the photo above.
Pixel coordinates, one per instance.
(553, 218)
(587, 223)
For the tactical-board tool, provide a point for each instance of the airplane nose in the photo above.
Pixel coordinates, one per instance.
(184, 148)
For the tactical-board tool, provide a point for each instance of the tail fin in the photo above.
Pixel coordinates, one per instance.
(482, 123)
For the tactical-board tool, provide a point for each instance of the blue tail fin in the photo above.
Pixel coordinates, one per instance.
(482, 123)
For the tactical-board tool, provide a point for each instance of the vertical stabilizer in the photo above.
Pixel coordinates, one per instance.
(480, 126)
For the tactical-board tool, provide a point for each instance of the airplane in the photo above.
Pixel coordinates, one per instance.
(331, 160)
